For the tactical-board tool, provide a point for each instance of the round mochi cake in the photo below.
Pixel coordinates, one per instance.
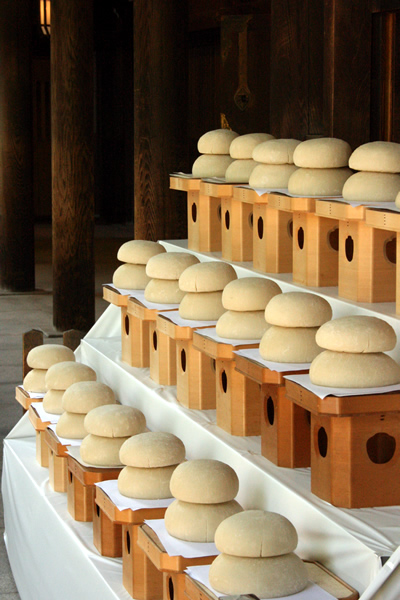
(355, 334)
(272, 577)
(115, 420)
(242, 325)
(130, 277)
(209, 276)
(371, 187)
(152, 449)
(298, 309)
(84, 396)
(201, 306)
(211, 165)
(138, 252)
(243, 146)
(271, 176)
(52, 402)
(354, 370)
(46, 355)
(35, 381)
(169, 265)
(239, 171)
(276, 152)
(383, 157)
(318, 182)
(61, 375)
(204, 481)
(249, 293)
(195, 522)
(217, 141)
(71, 425)
(163, 291)
(256, 533)
(322, 153)
(145, 483)
(289, 344)
(101, 451)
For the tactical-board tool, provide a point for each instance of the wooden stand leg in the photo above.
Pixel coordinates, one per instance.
(139, 340)
(42, 451)
(125, 339)
(107, 535)
(79, 499)
(272, 240)
(140, 577)
(285, 429)
(162, 356)
(236, 230)
(238, 401)
(173, 586)
(58, 472)
(195, 377)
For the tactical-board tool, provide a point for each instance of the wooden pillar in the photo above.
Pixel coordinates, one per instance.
(17, 257)
(160, 108)
(72, 71)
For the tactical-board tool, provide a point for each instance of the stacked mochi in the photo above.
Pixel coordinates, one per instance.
(214, 149)
(150, 460)
(108, 427)
(257, 556)
(202, 285)
(204, 490)
(245, 300)
(275, 158)
(323, 167)
(354, 355)
(59, 378)
(164, 271)
(294, 318)
(79, 399)
(241, 150)
(40, 359)
(378, 177)
(135, 255)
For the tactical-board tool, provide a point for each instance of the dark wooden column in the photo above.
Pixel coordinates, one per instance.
(160, 106)
(17, 257)
(72, 163)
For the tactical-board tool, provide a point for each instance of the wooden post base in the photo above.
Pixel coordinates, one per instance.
(272, 239)
(174, 586)
(135, 340)
(107, 535)
(237, 230)
(238, 400)
(140, 577)
(204, 222)
(80, 499)
(162, 356)
(285, 429)
(58, 472)
(42, 453)
(195, 377)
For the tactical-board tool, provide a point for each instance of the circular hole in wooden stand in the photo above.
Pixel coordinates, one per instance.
(381, 448)
(290, 229)
(213, 365)
(349, 248)
(183, 360)
(219, 212)
(260, 227)
(389, 250)
(251, 220)
(128, 542)
(227, 219)
(300, 238)
(333, 239)
(270, 410)
(224, 381)
(155, 340)
(194, 212)
(322, 442)
(97, 509)
(170, 588)
(126, 325)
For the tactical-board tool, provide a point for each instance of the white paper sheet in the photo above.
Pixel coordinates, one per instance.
(285, 192)
(323, 392)
(74, 451)
(122, 291)
(110, 487)
(254, 354)
(174, 316)
(312, 591)
(139, 295)
(32, 394)
(175, 547)
(65, 441)
(43, 415)
(212, 334)
(182, 175)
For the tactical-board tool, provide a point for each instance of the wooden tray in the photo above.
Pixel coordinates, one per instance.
(126, 516)
(216, 190)
(54, 443)
(36, 421)
(249, 196)
(113, 296)
(150, 543)
(282, 202)
(217, 349)
(88, 476)
(259, 373)
(184, 184)
(339, 210)
(383, 219)
(23, 397)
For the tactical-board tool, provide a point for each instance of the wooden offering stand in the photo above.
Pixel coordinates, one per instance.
(236, 222)
(113, 296)
(170, 567)
(285, 426)
(194, 590)
(161, 357)
(58, 467)
(237, 396)
(355, 447)
(24, 398)
(315, 241)
(388, 221)
(195, 371)
(203, 215)
(42, 453)
(81, 487)
(272, 233)
(115, 534)
(367, 270)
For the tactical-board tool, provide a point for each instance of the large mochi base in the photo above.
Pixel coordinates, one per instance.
(101, 451)
(144, 483)
(289, 344)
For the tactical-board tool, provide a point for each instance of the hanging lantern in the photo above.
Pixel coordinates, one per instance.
(45, 8)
